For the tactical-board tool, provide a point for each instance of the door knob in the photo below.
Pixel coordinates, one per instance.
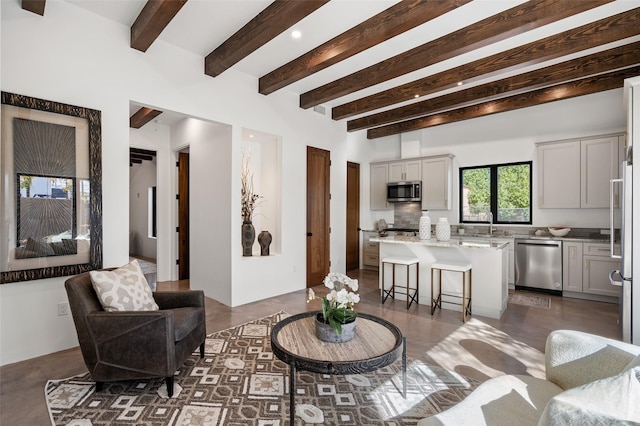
(309, 234)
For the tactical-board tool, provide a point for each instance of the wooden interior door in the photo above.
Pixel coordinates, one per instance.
(318, 231)
(183, 216)
(353, 216)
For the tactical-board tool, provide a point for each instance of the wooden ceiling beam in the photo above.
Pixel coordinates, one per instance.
(608, 60)
(395, 20)
(143, 116)
(135, 157)
(271, 22)
(517, 20)
(152, 20)
(35, 6)
(145, 152)
(610, 29)
(585, 86)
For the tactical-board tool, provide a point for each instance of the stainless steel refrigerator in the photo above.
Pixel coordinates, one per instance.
(623, 277)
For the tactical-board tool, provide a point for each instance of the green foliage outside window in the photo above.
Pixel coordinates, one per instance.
(502, 190)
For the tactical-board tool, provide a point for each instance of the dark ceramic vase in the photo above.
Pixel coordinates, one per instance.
(248, 238)
(264, 239)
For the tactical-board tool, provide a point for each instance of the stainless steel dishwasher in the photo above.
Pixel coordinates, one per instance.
(539, 264)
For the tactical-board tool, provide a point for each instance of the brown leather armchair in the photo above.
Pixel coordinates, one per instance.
(136, 345)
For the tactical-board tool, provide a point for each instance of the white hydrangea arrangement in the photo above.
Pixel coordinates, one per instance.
(338, 304)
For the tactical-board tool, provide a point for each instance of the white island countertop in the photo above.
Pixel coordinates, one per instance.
(474, 243)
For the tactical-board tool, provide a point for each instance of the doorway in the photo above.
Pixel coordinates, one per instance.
(143, 204)
(318, 219)
(183, 216)
(353, 216)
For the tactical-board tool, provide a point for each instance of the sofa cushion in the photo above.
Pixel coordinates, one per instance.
(123, 289)
(503, 400)
(185, 320)
(613, 400)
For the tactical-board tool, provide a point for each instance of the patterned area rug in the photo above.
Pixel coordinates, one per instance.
(240, 382)
(530, 300)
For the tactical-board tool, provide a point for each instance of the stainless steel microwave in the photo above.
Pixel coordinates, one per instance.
(402, 192)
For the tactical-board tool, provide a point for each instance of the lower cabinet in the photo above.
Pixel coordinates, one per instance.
(585, 269)
(370, 250)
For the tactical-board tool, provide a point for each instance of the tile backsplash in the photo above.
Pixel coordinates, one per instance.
(407, 215)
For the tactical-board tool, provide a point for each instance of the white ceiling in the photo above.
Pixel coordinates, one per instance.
(202, 25)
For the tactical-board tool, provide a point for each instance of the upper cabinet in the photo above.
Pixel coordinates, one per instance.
(379, 176)
(401, 171)
(436, 183)
(435, 173)
(576, 174)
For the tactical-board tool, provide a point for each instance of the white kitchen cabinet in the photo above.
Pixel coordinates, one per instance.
(585, 270)
(599, 164)
(401, 171)
(370, 250)
(379, 174)
(559, 175)
(596, 275)
(576, 174)
(436, 183)
(572, 266)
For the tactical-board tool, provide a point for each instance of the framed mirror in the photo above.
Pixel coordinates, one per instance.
(51, 168)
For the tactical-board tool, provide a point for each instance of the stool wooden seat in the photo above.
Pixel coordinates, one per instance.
(412, 293)
(464, 268)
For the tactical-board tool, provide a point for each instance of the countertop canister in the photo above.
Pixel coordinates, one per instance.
(443, 229)
(425, 225)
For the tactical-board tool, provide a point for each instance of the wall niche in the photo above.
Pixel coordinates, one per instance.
(263, 151)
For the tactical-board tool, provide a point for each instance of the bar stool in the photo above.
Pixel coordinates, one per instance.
(436, 302)
(408, 262)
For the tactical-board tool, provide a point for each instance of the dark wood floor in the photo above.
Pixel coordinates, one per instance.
(481, 349)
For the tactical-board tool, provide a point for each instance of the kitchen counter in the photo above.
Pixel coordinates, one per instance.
(488, 259)
(475, 243)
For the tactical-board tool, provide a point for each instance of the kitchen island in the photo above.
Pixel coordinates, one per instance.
(488, 259)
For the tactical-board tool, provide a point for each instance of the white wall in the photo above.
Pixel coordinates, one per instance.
(504, 138)
(75, 57)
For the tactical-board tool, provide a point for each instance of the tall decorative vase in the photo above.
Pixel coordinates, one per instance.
(443, 229)
(264, 239)
(248, 238)
(425, 225)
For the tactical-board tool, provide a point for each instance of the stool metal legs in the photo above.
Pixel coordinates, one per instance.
(392, 291)
(436, 302)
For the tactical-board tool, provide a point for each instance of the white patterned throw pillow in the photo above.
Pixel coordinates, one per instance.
(123, 289)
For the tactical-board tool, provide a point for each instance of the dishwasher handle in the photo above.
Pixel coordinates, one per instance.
(541, 244)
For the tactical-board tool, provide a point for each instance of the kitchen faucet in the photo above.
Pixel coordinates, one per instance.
(491, 223)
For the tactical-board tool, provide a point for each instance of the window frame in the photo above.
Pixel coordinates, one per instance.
(493, 185)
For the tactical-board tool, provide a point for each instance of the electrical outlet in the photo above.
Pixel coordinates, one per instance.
(63, 308)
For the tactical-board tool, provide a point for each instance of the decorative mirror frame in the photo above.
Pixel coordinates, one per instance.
(93, 118)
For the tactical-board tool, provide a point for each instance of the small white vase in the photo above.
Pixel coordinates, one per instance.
(425, 225)
(443, 229)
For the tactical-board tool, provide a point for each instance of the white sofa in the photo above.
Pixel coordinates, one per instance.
(589, 380)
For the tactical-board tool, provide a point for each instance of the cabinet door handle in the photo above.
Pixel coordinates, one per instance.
(309, 234)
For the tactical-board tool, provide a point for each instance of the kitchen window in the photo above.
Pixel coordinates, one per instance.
(498, 193)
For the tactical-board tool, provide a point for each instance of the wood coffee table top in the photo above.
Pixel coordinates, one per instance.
(377, 343)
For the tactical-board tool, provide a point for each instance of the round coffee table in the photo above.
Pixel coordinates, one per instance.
(377, 343)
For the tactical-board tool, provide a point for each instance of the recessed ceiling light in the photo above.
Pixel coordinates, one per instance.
(296, 34)
(459, 83)
(416, 96)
